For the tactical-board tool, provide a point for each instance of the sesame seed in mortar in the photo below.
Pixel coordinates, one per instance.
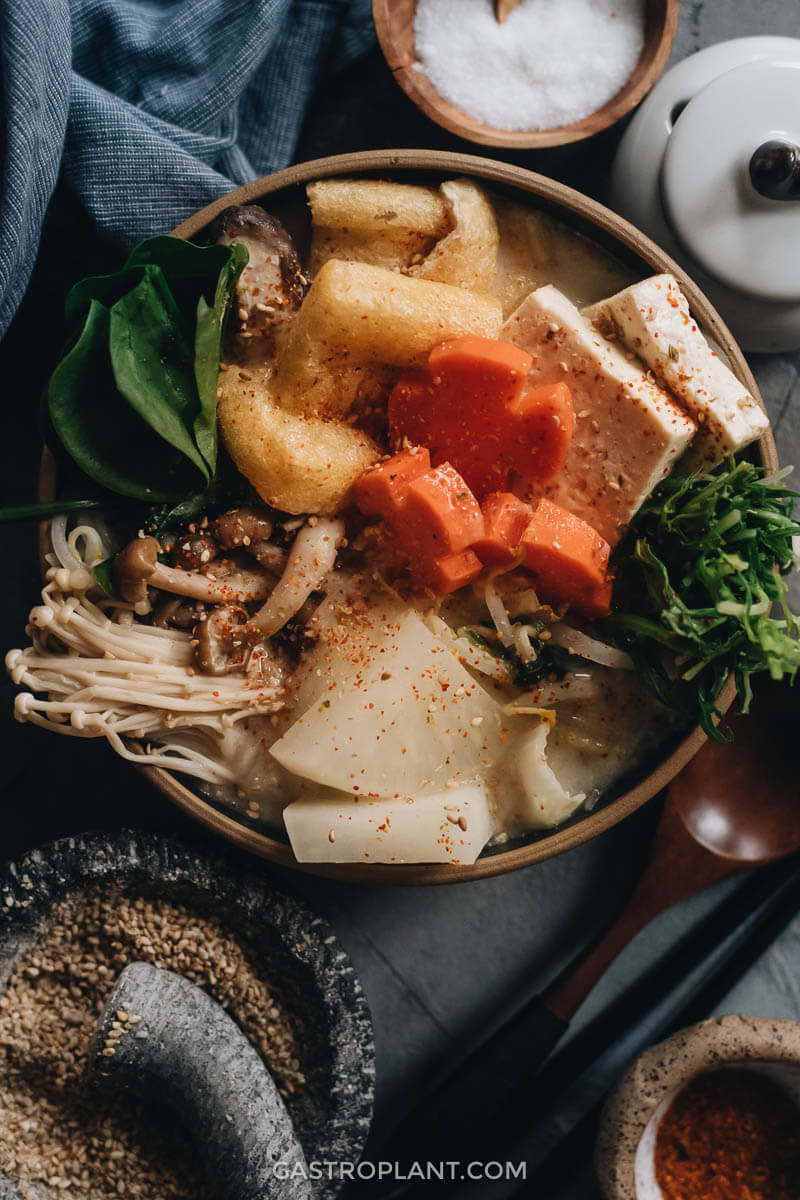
(550, 63)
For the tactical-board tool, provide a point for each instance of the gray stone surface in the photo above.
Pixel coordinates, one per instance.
(162, 1038)
(439, 966)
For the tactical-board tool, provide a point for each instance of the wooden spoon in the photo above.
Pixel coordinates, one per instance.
(734, 807)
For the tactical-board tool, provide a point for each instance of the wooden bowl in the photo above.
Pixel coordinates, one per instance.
(394, 24)
(284, 195)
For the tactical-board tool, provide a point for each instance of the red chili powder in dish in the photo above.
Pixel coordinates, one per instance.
(729, 1135)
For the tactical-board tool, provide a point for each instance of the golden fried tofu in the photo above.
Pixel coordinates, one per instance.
(369, 220)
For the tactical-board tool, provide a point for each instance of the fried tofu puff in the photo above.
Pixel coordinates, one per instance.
(291, 429)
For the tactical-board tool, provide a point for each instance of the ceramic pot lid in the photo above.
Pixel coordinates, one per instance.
(741, 237)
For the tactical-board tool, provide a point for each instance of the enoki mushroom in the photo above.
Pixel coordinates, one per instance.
(94, 675)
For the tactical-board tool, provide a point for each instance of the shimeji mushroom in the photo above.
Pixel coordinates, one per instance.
(137, 567)
(311, 560)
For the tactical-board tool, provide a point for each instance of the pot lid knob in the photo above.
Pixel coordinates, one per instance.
(731, 179)
(775, 170)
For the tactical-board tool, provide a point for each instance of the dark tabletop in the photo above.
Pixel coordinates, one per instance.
(439, 965)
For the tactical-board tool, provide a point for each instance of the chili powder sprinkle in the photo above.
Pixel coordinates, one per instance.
(729, 1135)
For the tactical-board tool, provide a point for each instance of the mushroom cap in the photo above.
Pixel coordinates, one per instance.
(133, 567)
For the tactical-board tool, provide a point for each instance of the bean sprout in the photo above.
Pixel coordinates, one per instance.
(589, 647)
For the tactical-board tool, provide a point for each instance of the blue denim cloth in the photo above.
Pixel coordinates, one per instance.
(153, 108)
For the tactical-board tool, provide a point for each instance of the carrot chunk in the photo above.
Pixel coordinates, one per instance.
(380, 489)
(440, 514)
(415, 412)
(568, 557)
(452, 571)
(545, 418)
(433, 516)
(595, 603)
(470, 409)
(505, 519)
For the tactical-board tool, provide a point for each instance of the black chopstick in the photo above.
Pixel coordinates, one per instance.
(506, 1127)
(568, 1064)
(778, 910)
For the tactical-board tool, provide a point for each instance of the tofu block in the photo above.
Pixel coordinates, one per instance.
(652, 319)
(451, 826)
(628, 431)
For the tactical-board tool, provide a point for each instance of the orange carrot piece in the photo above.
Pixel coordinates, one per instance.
(440, 515)
(415, 411)
(485, 367)
(568, 557)
(380, 490)
(469, 409)
(505, 519)
(546, 423)
(452, 571)
(596, 603)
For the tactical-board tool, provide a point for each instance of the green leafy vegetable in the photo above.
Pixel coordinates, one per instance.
(104, 579)
(707, 565)
(45, 508)
(151, 359)
(134, 399)
(521, 674)
(99, 429)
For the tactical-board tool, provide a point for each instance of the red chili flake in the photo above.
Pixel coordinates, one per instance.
(729, 1135)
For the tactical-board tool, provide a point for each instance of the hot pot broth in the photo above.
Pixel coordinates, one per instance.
(329, 684)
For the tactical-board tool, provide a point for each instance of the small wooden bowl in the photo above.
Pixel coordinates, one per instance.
(394, 24)
(283, 194)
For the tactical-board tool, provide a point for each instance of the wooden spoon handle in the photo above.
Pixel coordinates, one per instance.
(503, 8)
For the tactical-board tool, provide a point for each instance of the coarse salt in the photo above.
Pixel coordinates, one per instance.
(550, 63)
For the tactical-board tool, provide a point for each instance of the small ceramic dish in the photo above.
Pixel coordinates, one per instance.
(283, 194)
(394, 24)
(624, 1153)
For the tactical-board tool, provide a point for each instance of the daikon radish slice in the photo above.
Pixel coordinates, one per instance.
(545, 802)
(450, 826)
(402, 718)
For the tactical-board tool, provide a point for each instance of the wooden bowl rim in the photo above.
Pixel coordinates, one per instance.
(541, 188)
(419, 89)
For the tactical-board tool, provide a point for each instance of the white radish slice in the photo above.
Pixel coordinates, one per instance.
(403, 718)
(545, 802)
(451, 826)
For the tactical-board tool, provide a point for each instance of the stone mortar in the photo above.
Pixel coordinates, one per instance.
(296, 942)
(161, 1037)
(664, 1068)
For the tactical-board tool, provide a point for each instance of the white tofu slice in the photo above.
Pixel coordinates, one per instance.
(403, 716)
(422, 828)
(544, 801)
(652, 319)
(628, 432)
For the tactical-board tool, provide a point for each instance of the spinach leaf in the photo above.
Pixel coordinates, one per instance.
(133, 401)
(151, 358)
(45, 508)
(209, 328)
(100, 431)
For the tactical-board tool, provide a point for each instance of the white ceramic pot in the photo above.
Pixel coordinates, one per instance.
(683, 174)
